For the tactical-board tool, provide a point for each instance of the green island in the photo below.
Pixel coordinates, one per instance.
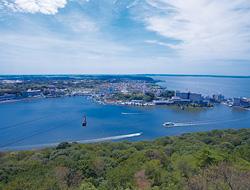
(218, 159)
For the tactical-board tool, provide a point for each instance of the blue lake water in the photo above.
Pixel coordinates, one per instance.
(44, 121)
(228, 86)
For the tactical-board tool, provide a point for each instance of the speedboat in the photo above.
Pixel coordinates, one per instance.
(169, 124)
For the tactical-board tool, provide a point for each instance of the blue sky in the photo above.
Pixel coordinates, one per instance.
(125, 36)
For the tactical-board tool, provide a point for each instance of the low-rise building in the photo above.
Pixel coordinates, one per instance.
(236, 102)
(218, 98)
(182, 95)
(241, 102)
(163, 102)
(178, 100)
(193, 97)
(32, 93)
(245, 103)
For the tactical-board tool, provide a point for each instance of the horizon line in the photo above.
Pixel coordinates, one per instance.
(134, 74)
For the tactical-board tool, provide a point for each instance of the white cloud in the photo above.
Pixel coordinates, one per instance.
(53, 54)
(134, 3)
(206, 29)
(77, 22)
(36, 6)
(156, 42)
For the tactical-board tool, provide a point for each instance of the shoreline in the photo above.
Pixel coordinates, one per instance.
(20, 100)
(85, 141)
(129, 104)
(111, 139)
(36, 98)
(130, 99)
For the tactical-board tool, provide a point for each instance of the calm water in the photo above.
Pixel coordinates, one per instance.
(34, 123)
(230, 87)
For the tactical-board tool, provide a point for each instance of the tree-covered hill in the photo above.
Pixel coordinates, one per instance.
(199, 161)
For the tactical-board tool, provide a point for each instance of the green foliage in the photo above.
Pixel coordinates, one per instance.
(63, 145)
(220, 158)
(208, 157)
(87, 186)
(154, 172)
(148, 97)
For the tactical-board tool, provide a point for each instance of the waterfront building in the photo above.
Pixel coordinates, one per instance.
(32, 93)
(218, 98)
(178, 100)
(163, 102)
(193, 97)
(182, 95)
(244, 102)
(236, 102)
(241, 102)
(137, 101)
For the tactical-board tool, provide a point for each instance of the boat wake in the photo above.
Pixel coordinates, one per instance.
(37, 146)
(211, 122)
(119, 137)
(130, 113)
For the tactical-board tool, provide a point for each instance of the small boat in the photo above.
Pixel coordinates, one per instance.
(84, 121)
(169, 124)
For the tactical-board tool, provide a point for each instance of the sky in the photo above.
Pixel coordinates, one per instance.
(125, 37)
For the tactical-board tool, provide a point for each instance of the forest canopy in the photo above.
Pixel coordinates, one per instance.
(218, 159)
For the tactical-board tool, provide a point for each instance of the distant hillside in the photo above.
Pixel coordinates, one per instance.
(212, 160)
(78, 77)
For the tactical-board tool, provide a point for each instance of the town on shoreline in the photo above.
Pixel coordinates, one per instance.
(129, 90)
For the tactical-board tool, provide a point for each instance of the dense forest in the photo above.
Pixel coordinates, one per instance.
(199, 161)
